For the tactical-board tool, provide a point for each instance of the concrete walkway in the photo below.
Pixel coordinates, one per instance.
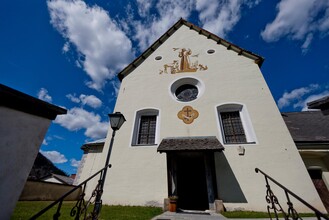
(203, 216)
(189, 216)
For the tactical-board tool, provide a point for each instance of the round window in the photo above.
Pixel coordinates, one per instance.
(186, 89)
(186, 93)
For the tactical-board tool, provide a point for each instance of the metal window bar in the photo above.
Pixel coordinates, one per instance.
(80, 208)
(233, 128)
(274, 204)
(147, 128)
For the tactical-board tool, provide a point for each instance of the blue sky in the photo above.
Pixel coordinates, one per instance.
(69, 52)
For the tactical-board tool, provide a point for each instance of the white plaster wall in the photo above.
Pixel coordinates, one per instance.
(89, 166)
(81, 170)
(21, 137)
(139, 174)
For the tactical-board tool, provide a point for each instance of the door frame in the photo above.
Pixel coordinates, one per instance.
(209, 165)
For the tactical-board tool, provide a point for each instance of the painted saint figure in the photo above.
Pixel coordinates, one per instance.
(185, 61)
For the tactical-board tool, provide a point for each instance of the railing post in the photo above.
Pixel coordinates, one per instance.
(273, 202)
(98, 201)
(77, 209)
(57, 214)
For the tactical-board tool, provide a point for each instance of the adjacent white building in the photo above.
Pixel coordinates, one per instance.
(24, 121)
(200, 119)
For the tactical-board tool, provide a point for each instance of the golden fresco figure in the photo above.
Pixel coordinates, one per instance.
(185, 65)
(185, 60)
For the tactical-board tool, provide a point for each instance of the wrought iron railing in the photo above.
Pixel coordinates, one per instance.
(275, 207)
(80, 209)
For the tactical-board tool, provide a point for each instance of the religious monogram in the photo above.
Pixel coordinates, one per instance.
(188, 114)
(184, 64)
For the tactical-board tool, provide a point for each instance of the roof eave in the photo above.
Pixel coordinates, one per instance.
(90, 145)
(192, 144)
(19, 101)
(319, 103)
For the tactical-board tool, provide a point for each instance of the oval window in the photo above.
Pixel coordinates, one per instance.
(186, 93)
(158, 58)
(211, 51)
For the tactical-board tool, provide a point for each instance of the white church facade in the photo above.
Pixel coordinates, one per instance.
(200, 119)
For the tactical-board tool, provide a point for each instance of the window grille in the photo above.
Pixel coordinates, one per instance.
(146, 134)
(232, 127)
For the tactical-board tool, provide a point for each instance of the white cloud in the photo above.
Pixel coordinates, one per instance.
(253, 3)
(54, 156)
(78, 118)
(73, 98)
(90, 100)
(43, 95)
(66, 47)
(44, 142)
(306, 44)
(152, 27)
(103, 48)
(144, 7)
(58, 137)
(298, 20)
(298, 98)
(295, 95)
(116, 86)
(75, 163)
(324, 22)
(219, 17)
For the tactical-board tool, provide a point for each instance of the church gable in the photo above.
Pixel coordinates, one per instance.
(175, 66)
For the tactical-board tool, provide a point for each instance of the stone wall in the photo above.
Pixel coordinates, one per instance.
(46, 191)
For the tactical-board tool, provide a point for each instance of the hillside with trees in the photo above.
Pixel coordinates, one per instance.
(43, 167)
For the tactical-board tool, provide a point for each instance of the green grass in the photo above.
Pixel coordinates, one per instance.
(244, 214)
(25, 210)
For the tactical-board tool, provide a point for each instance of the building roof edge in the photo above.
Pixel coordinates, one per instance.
(17, 100)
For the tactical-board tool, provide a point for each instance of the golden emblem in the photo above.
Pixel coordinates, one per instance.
(185, 64)
(188, 114)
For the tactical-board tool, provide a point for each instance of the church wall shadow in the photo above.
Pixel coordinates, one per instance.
(228, 187)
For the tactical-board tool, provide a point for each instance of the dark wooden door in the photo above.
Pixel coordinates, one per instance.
(323, 192)
(191, 182)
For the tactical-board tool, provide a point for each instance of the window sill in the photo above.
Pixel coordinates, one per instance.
(144, 145)
(242, 143)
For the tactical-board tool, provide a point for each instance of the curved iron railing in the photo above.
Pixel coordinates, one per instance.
(80, 208)
(275, 207)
